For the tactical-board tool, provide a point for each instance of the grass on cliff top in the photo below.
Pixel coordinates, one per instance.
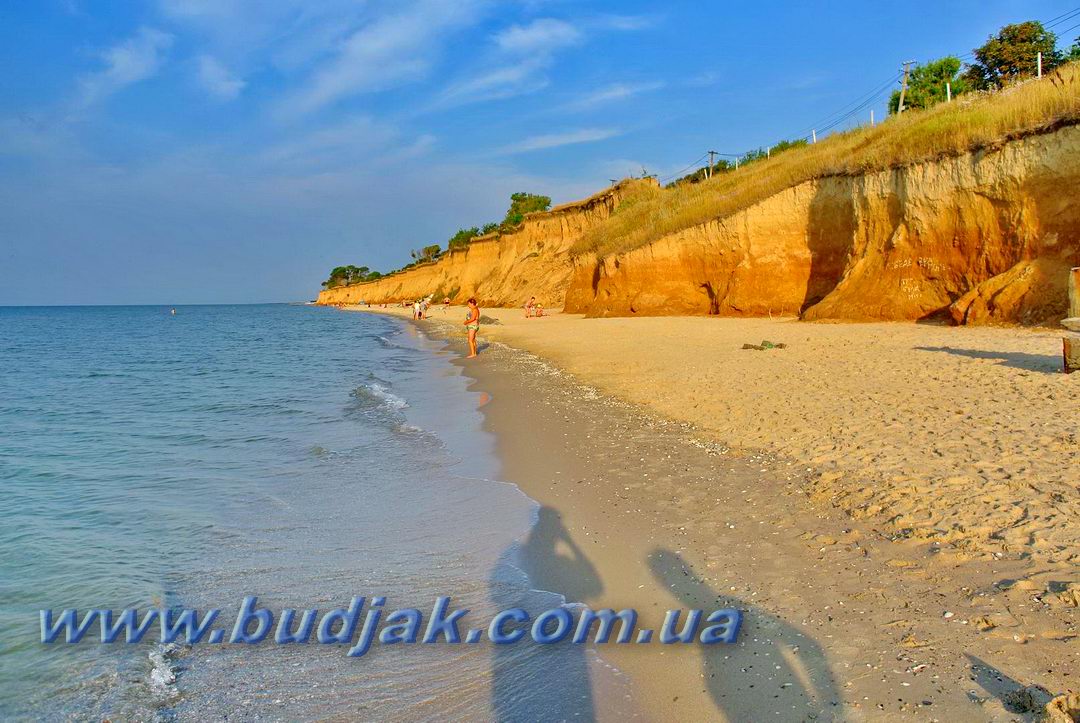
(971, 122)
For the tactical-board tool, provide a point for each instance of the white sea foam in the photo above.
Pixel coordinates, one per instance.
(388, 398)
(380, 395)
(163, 672)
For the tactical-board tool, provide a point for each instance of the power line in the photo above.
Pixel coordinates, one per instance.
(1069, 30)
(857, 106)
(857, 110)
(688, 167)
(1061, 18)
(835, 119)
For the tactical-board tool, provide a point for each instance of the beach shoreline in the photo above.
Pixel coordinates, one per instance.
(886, 626)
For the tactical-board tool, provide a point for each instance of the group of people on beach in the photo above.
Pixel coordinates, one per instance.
(472, 318)
(420, 306)
(533, 309)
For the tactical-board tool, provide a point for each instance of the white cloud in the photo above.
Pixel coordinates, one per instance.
(556, 140)
(385, 53)
(286, 33)
(612, 93)
(504, 74)
(133, 60)
(500, 82)
(217, 80)
(544, 35)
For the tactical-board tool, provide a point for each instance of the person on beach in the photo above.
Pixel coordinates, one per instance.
(446, 304)
(416, 309)
(529, 306)
(472, 325)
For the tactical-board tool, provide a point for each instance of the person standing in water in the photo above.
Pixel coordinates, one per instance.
(472, 325)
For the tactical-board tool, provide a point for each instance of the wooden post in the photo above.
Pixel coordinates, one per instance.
(1039, 60)
(948, 92)
(1074, 293)
(1070, 343)
(903, 86)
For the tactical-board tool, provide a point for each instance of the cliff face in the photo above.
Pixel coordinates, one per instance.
(980, 238)
(498, 271)
(985, 237)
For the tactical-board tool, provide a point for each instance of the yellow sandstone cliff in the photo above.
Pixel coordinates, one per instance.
(982, 237)
(499, 270)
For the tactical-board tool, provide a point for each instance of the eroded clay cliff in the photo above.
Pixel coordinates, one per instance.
(984, 237)
(499, 270)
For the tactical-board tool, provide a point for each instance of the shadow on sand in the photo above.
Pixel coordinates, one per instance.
(1045, 363)
(542, 682)
(774, 672)
(1013, 695)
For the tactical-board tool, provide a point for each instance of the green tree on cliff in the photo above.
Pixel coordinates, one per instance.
(522, 204)
(337, 277)
(926, 85)
(345, 275)
(462, 238)
(1013, 54)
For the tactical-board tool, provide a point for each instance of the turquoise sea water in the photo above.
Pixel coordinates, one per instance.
(300, 454)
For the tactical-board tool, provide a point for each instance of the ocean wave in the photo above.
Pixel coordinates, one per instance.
(389, 343)
(163, 672)
(375, 394)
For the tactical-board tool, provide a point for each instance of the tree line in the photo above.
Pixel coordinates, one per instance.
(1008, 57)
(521, 204)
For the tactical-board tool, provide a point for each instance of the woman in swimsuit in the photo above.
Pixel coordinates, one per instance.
(472, 324)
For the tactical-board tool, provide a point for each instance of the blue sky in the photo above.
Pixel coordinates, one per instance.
(195, 151)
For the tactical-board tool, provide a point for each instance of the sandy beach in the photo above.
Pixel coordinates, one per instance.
(892, 504)
(963, 436)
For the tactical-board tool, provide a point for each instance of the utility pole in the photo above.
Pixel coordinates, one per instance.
(948, 92)
(1039, 75)
(712, 154)
(903, 86)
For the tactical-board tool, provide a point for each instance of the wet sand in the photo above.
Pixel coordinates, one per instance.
(845, 618)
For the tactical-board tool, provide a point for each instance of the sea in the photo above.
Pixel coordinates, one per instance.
(189, 457)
